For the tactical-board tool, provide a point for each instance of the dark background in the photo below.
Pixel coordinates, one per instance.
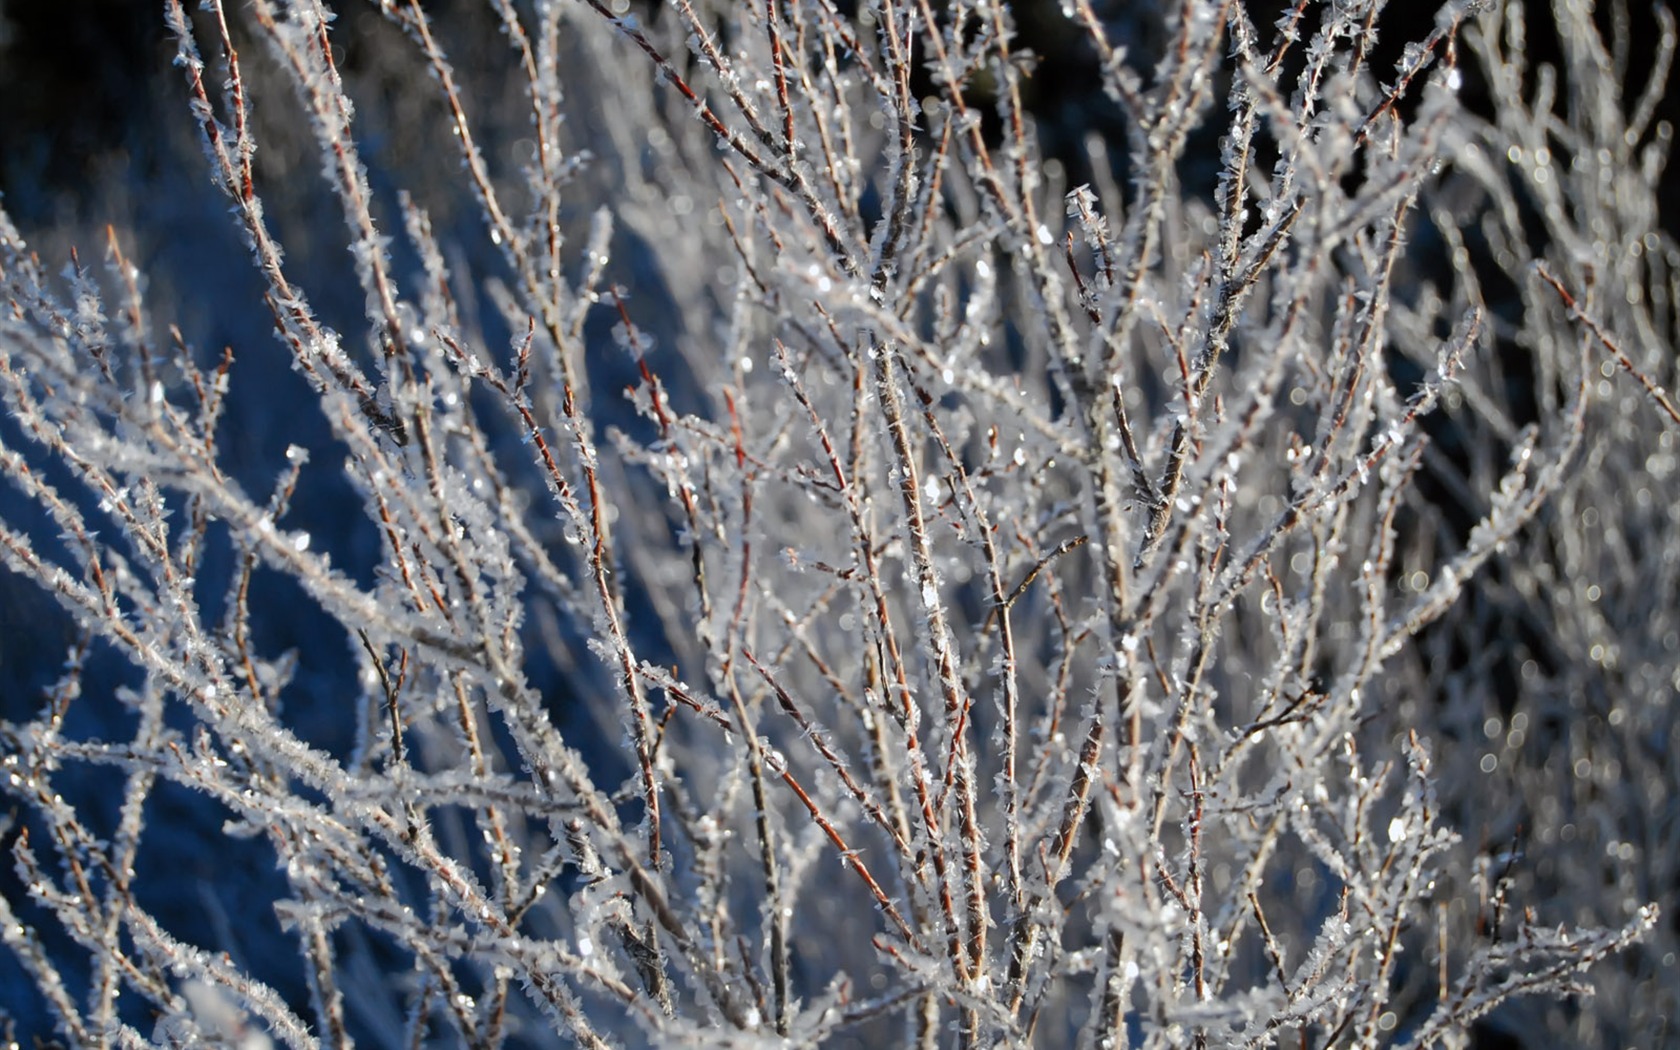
(80, 84)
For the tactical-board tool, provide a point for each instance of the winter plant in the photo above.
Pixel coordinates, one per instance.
(808, 569)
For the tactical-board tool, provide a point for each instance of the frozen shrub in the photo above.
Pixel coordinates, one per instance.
(807, 576)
